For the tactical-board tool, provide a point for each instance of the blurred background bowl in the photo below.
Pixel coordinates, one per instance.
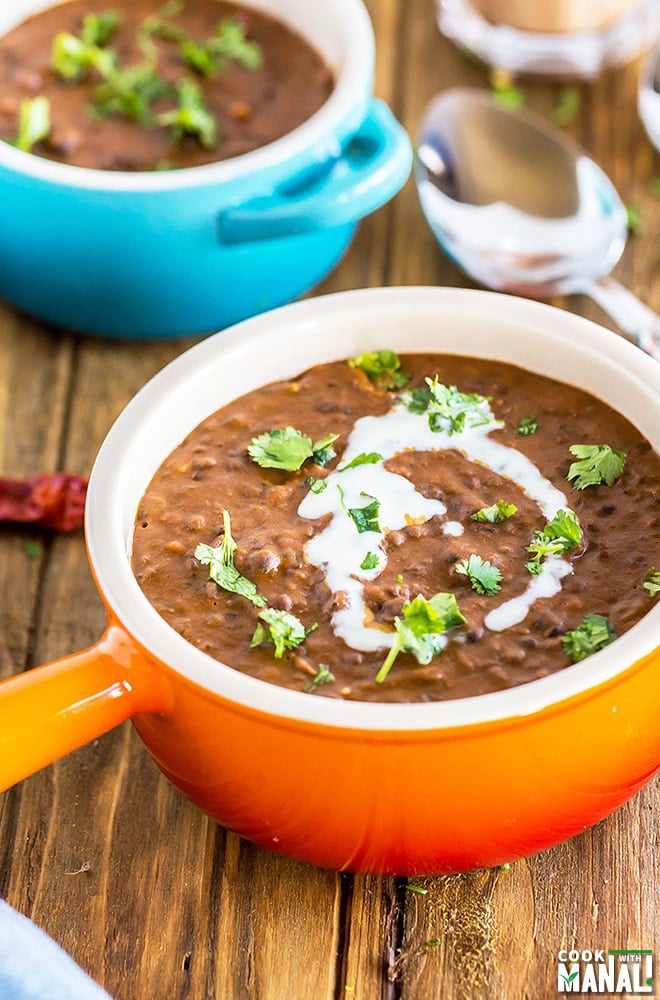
(172, 253)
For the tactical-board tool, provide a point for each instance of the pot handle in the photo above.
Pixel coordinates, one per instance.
(365, 173)
(53, 709)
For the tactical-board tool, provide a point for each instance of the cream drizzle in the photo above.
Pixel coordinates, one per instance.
(340, 548)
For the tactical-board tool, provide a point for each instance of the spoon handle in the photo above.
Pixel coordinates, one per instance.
(639, 323)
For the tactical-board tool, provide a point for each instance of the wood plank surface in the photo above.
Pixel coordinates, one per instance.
(153, 899)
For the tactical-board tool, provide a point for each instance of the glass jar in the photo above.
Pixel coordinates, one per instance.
(564, 38)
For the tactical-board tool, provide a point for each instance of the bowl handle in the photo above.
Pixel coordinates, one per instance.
(365, 173)
(53, 709)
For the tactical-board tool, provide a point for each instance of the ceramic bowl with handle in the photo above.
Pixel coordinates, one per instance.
(389, 788)
(168, 253)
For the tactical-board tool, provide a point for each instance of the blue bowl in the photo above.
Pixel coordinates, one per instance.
(164, 254)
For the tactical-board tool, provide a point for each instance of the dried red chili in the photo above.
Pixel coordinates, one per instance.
(52, 499)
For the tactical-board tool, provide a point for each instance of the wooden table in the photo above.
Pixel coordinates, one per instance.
(147, 894)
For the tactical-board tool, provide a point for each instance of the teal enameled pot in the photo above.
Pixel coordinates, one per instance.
(189, 251)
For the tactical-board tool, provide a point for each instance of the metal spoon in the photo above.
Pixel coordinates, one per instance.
(649, 97)
(521, 208)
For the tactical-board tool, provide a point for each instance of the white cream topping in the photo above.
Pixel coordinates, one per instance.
(546, 584)
(340, 548)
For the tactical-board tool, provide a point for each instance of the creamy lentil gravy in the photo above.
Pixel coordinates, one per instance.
(304, 553)
(252, 106)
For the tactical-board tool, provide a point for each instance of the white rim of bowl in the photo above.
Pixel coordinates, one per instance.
(110, 515)
(354, 80)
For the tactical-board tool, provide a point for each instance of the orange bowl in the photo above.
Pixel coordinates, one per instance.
(386, 788)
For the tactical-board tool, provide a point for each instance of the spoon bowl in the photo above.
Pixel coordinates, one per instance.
(649, 96)
(521, 208)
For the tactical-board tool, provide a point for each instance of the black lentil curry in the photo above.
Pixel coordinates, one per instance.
(413, 529)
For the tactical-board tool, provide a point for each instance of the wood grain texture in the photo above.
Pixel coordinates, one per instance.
(145, 892)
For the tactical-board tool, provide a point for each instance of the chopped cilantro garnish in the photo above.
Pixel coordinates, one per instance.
(634, 219)
(222, 571)
(98, 29)
(323, 452)
(370, 561)
(383, 368)
(504, 90)
(230, 43)
(323, 676)
(33, 548)
(499, 511)
(417, 399)
(288, 448)
(447, 408)
(205, 56)
(527, 426)
(420, 629)
(33, 122)
(316, 485)
(71, 57)
(155, 24)
(366, 458)
(365, 518)
(592, 634)
(652, 582)
(130, 93)
(191, 116)
(565, 527)
(567, 107)
(283, 629)
(482, 574)
(598, 463)
(563, 532)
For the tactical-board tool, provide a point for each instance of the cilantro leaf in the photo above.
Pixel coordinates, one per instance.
(421, 628)
(652, 582)
(283, 629)
(565, 527)
(33, 122)
(417, 399)
(288, 448)
(222, 571)
(212, 55)
(482, 574)
(98, 29)
(560, 534)
(527, 426)
(230, 42)
(634, 219)
(370, 561)
(508, 94)
(322, 452)
(598, 463)
(365, 458)
(71, 57)
(316, 485)
(208, 56)
(191, 116)
(383, 368)
(284, 448)
(323, 676)
(130, 93)
(499, 511)
(365, 518)
(593, 633)
(567, 107)
(447, 408)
